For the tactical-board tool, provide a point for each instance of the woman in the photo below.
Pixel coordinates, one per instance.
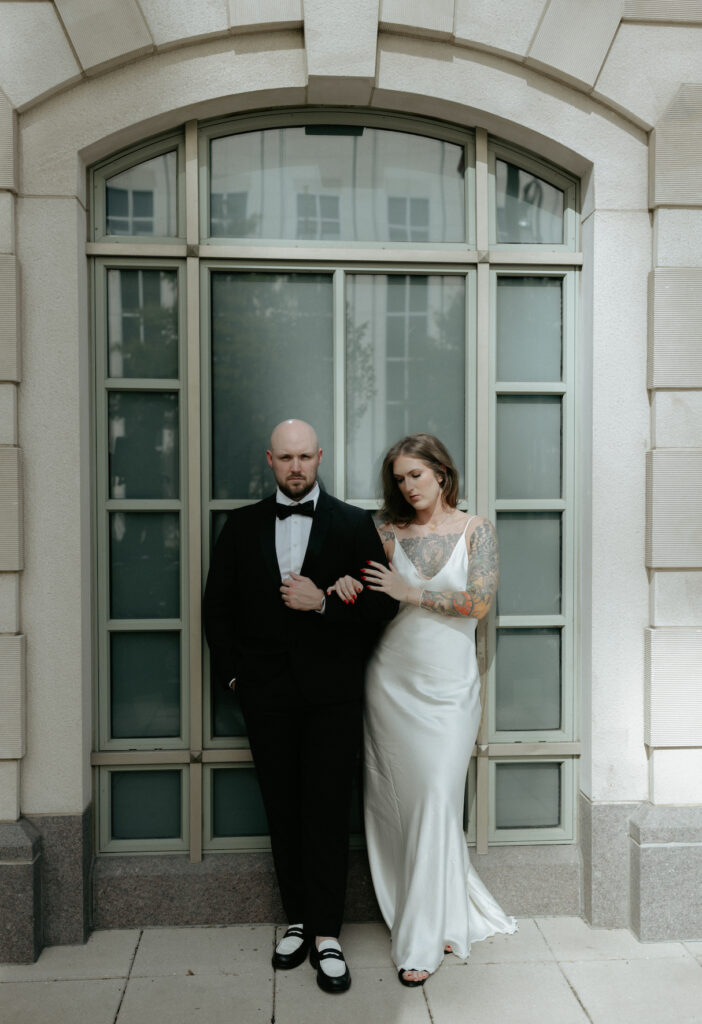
(423, 710)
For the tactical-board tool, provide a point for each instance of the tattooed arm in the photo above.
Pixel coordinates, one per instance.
(474, 601)
(386, 534)
(483, 576)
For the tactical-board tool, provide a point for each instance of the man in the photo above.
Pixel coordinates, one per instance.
(297, 657)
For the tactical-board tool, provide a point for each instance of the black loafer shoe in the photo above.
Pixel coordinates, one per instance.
(327, 982)
(286, 961)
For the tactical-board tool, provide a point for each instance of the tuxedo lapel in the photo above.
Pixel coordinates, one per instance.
(318, 535)
(267, 538)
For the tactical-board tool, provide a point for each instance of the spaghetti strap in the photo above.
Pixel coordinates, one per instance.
(470, 520)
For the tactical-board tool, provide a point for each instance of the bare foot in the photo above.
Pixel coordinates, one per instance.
(415, 975)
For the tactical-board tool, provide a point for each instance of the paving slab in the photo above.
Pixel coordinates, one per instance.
(197, 999)
(571, 938)
(639, 991)
(532, 993)
(104, 955)
(366, 945)
(375, 997)
(60, 1002)
(230, 950)
(526, 946)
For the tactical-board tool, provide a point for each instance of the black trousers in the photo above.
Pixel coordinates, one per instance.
(306, 759)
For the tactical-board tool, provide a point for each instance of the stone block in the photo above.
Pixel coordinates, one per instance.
(675, 345)
(8, 145)
(7, 222)
(604, 845)
(676, 238)
(11, 524)
(173, 21)
(666, 866)
(688, 11)
(341, 42)
(20, 892)
(9, 790)
(676, 776)
(9, 319)
(674, 508)
(264, 15)
(66, 876)
(676, 598)
(105, 32)
(529, 881)
(9, 602)
(676, 151)
(645, 66)
(673, 695)
(35, 57)
(507, 27)
(416, 17)
(12, 697)
(8, 415)
(573, 38)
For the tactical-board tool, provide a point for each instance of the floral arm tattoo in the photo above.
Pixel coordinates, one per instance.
(483, 576)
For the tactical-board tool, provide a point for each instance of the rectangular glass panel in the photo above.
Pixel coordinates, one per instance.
(237, 806)
(271, 360)
(405, 368)
(142, 323)
(528, 446)
(146, 804)
(530, 563)
(143, 200)
(528, 679)
(334, 181)
(529, 328)
(145, 684)
(227, 716)
(144, 565)
(529, 209)
(528, 795)
(143, 438)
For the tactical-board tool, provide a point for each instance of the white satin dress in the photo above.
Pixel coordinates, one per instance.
(422, 714)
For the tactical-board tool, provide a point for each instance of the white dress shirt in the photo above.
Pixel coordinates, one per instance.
(292, 535)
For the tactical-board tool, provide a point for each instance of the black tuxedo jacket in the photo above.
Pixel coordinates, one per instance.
(254, 637)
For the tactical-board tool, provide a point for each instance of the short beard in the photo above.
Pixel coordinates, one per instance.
(300, 494)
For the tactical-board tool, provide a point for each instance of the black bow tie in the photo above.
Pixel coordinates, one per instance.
(305, 509)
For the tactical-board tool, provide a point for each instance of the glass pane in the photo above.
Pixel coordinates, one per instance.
(530, 563)
(146, 804)
(528, 446)
(336, 181)
(142, 323)
(271, 360)
(405, 368)
(528, 679)
(145, 684)
(143, 200)
(143, 431)
(528, 795)
(529, 210)
(529, 328)
(145, 565)
(237, 807)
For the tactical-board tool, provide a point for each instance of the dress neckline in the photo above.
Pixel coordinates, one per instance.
(428, 579)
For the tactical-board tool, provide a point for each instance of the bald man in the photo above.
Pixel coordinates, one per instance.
(297, 659)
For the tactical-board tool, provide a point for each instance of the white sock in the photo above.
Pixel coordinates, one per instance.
(332, 967)
(289, 944)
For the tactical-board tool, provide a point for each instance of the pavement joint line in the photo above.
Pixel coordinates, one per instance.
(129, 974)
(581, 1004)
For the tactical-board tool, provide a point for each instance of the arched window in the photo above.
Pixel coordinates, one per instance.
(375, 275)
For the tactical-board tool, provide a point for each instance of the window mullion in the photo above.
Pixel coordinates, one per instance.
(339, 349)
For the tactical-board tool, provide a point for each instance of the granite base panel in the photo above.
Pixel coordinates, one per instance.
(666, 868)
(20, 893)
(238, 888)
(67, 858)
(604, 846)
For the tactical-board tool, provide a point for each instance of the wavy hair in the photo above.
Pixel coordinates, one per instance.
(431, 451)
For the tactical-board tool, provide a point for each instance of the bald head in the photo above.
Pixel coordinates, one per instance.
(294, 456)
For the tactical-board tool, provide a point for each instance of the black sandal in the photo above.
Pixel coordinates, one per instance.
(406, 981)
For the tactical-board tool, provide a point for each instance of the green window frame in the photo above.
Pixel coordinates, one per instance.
(202, 749)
